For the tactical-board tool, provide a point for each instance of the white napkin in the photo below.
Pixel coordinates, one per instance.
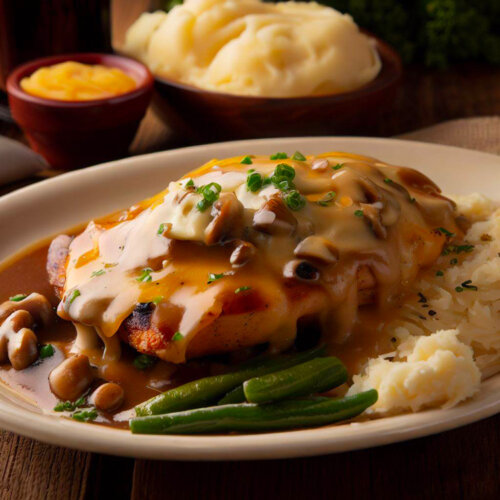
(17, 161)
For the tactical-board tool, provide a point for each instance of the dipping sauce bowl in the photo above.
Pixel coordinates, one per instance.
(74, 134)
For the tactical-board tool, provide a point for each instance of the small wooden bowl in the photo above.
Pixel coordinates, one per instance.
(216, 116)
(73, 134)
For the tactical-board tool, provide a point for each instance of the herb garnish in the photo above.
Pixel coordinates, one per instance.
(459, 289)
(338, 166)
(358, 213)
(190, 183)
(145, 275)
(143, 361)
(85, 415)
(247, 160)
(210, 193)
(279, 156)
(444, 231)
(18, 297)
(294, 200)
(214, 277)
(69, 405)
(283, 176)
(298, 156)
(97, 273)
(177, 336)
(468, 286)
(254, 181)
(453, 261)
(73, 296)
(439, 273)
(161, 228)
(242, 289)
(46, 351)
(431, 312)
(157, 300)
(423, 298)
(388, 181)
(327, 199)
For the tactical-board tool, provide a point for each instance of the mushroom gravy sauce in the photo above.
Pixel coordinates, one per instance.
(326, 243)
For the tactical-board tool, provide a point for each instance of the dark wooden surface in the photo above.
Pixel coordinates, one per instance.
(460, 464)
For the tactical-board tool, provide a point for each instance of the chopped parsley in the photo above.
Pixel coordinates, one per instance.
(73, 296)
(254, 181)
(294, 200)
(85, 415)
(298, 156)
(46, 351)
(177, 336)
(439, 273)
(161, 228)
(190, 183)
(444, 231)
(242, 289)
(18, 297)
(210, 193)
(145, 275)
(327, 199)
(69, 405)
(388, 181)
(247, 160)
(97, 273)
(358, 213)
(467, 285)
(157, 300)
(279, 156)
(214, 277)
(143, 361)
(338, 166)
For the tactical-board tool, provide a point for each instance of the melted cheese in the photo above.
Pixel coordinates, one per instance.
(157, 251)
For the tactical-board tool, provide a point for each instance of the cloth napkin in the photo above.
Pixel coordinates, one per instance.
(482, 134)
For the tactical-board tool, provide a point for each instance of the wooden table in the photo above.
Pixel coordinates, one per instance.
(463, 463)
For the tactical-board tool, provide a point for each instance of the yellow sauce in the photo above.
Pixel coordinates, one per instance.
(74, 81)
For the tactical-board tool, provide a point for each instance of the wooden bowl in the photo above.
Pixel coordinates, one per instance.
(208, 116)
(73, 134)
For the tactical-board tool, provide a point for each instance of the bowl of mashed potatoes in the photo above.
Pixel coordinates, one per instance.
(250, 68)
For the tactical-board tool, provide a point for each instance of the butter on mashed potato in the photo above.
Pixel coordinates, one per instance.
(249, 47)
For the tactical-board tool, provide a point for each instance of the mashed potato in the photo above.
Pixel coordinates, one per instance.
(253, 48)
(447, 337)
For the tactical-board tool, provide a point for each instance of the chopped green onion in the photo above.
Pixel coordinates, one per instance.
(388, 181)
(254, 181)
(459, 289)
(279, 156)
(69, 405)
(247, 160)
(143, 361)
(298, 156)
(453, 261)
(157, 300)
(97, 273)
(161, 228)
(338, 166)
(210, 193)
(242, 289)
(74, 295)
(327, 199)
(214, 277)
(46, 351)
(468, 286)
(439, 273)
(294, 200)
(177, 336)
(18, 297)
(85, 415)
(145, 275)
(358, 213)
(190, 183)
(444, 231)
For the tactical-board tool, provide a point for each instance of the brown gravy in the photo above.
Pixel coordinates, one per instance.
(26, 273)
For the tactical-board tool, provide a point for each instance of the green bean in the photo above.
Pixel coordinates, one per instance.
(237, 395)
(206, 391)
(252, 417)
(316, 375)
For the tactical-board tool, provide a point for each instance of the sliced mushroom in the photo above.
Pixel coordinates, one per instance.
(36, 304)
(108, 396)
(243, 252)
(22, 349)
(300, 269)
(318, 249)
(372, 214)
(71, 378)
(274, 218)
(227, 214)
(19, 348)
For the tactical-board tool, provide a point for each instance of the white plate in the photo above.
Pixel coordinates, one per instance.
(44, 209)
